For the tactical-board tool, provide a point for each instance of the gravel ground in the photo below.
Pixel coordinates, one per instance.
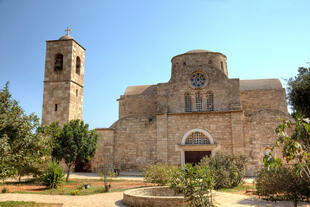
(115, 199)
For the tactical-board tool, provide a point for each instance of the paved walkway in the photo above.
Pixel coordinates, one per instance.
(97, 200)
(115, 199)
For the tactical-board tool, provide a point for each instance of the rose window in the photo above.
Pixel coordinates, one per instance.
(198, 80)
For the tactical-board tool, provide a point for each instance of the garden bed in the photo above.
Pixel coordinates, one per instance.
(27, 204)
(73, 187)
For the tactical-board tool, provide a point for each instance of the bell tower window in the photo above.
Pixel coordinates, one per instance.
(78, 65)
(58, 62)
(188, 103)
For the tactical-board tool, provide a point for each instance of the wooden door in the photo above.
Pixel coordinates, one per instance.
(194, 157)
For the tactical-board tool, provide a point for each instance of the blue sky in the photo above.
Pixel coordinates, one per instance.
(132, 43)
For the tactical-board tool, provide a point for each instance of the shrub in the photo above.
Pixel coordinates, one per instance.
(283, 183)
(5, 190)
(158, 173)
(195, 183)
(75, 192)
(54, 176)
(229, 170)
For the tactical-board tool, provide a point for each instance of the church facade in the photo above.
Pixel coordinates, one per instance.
(198, 112)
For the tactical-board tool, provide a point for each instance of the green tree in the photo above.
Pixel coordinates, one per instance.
(298, 90)
(195, 182)
(75, 144)
(23, 149)
(294, 139)
(158, 173)
(51, 132)
(229, 170)
(282, 183)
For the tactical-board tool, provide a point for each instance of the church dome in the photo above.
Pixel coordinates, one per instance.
(66, 37)
(197, 51)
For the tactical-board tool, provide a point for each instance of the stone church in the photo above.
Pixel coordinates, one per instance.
(198, 112)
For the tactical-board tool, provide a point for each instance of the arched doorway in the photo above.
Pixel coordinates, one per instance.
(196, 144)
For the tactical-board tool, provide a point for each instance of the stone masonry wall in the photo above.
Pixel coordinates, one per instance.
(259, 133)
(254, 100)
(137, 104)
(76, 101)
(212, 60)
(217, 124)
(65, 87)
(135, 143)
(226, 97)
(213, 65)
(77, 83)
(56, 93)
(105, 150)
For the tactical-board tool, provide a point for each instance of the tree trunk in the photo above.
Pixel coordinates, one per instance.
(107, 187)
(295, 203)
(68, 173)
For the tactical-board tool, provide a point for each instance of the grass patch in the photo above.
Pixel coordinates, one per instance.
(71, 182)
(67, 191)
(240, 188)
(26, 204)
(23, 182)
(74, 187)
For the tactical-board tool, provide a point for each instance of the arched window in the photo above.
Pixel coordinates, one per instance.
(188, 103)
(78, 65)
(198, 102)
(58, 62)
(209, 102)
(197, 138)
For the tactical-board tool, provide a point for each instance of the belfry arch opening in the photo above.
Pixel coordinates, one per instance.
(58, 65)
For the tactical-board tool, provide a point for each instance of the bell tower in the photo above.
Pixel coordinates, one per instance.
(63, 80)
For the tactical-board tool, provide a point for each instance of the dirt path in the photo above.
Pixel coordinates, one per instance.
(114, 199)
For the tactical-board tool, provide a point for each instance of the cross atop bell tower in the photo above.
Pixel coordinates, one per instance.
(67, 30)
(63, 80)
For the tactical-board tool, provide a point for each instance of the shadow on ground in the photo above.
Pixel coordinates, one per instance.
(263, 203)
(120, 203)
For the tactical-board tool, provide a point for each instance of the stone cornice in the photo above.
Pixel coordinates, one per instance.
(104, 129)
(67, 40)
(64, 81)
(206, 112)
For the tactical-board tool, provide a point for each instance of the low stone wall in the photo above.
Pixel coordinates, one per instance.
(153, 196)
